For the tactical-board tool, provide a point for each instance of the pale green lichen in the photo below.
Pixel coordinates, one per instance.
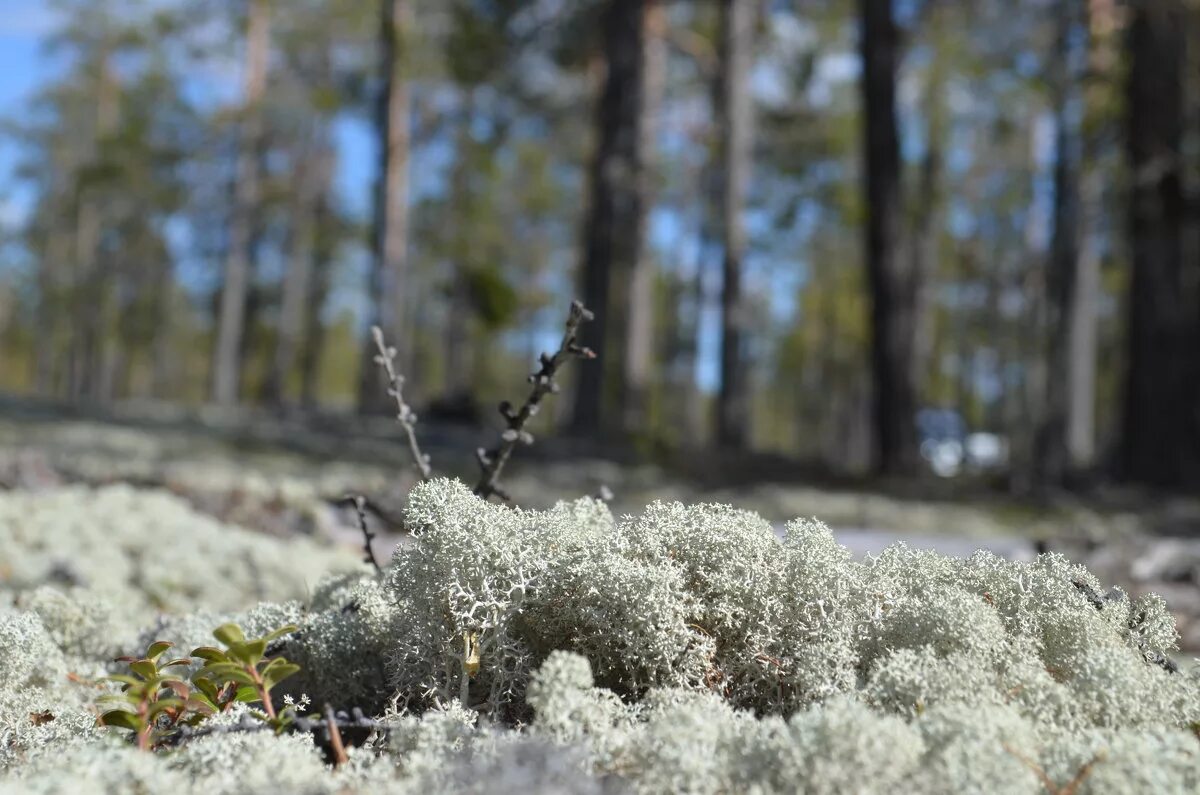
(686, 649)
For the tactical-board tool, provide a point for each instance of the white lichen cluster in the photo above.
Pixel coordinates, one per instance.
(148, 551)
(687, 649)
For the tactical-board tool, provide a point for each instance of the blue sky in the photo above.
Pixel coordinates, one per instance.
(23, 23)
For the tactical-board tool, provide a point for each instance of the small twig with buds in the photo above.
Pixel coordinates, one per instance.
(404, 414)
(360, 508)
(491, 462)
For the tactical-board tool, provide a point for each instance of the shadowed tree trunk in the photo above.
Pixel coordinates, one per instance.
(324, 245)
(389, 233)
(638, 290)
(1158, 444)
(313, 175)
(89, 289)
(614, 220)
(892, 286)
(231, 318)
(1051, 460)
(733, 120)
(928, 210)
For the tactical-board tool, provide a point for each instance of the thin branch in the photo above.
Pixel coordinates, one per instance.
(333, 736)
(491, 462)
(355, 719)
(1072, 786)
(404, 413)
(360, 508)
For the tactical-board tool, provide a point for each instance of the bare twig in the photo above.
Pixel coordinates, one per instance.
(360, 508)
(404, 413)
(355, 720)
(491, 462)
(1072, 786)
(334, 738)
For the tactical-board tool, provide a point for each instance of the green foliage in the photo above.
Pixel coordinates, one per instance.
(154, 704)
(243, 665)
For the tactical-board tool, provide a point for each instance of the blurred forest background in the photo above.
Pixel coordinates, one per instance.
(850, 233)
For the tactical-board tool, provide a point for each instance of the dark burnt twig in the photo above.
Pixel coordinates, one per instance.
(340, 722)
(360, 508)
(404, 413)
(491, 462)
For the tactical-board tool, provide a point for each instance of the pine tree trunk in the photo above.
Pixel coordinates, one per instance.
(227, 354)
(387, 283)
(312, 178)
(614, 221)
(1159, 424)
(733, 120)
(893, 290)
(1050, 463)
(318, 288)
(89, 290)
(639, 292)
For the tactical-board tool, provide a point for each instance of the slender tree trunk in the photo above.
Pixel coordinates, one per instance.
(318, 288)
(733, 119)
(89, 287)
(640, 287)
(1050, 462)
(231, 319)
(928, 225)
(163, 353)
(613, 227)
(50, 311)
(893, 290)
(312, 178)
(389, 235)
(1157, 444)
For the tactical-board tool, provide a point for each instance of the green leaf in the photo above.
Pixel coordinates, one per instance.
(210, 653)
(254, 651)
(200, 703)
(177, 661)
(279, 633)
(247, 695)
(144, 668)
(157, 648)
(206, 686)
(180, 688)
(228, 672)
(229, 634)
(121, 719)
(162, 705)
(274, 674)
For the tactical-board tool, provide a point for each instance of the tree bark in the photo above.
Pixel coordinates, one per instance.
(387, 282)
(313, 175)
(89, 290)
(1158, 444)
(733, 120)
(639, 289)
(893, 290)
(613, 226)
(1051, 462)
(324, 245)
(227, 355)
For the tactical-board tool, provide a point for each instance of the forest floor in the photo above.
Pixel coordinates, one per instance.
(290, 475)
(257, 456)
